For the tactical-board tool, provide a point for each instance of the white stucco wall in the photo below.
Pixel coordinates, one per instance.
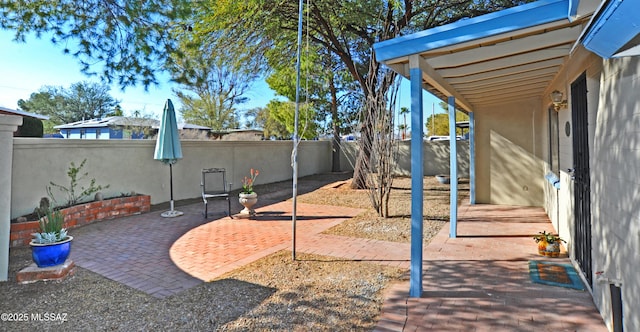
(614, 150)
(8, 125)
(615, 187)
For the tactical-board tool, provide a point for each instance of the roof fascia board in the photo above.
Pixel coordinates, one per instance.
(491, 40)
(496, 23)
(573, 9)
(613, 25)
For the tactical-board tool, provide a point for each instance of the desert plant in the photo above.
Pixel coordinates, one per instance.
(51, 228)
(74, 194)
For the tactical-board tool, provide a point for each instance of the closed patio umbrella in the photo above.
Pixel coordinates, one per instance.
(168, 148)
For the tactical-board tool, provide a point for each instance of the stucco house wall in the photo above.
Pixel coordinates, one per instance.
(509, 170)
(615, 187)
(614, 139)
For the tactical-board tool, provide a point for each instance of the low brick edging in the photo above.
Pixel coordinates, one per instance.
(83, 214)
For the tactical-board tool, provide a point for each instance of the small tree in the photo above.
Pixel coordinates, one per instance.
(74, 194)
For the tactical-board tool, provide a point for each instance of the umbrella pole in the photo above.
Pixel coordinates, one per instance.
(172, 212)
(171, 184)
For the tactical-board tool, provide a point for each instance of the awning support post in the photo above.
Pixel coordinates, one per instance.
(453, 170)
(417, 123)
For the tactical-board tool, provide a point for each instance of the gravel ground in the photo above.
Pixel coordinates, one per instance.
(274, 293)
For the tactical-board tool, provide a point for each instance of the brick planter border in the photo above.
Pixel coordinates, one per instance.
(83, 214)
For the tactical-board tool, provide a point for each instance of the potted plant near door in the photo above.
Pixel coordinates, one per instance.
(548, 244)
(52, 245)
(247, 197)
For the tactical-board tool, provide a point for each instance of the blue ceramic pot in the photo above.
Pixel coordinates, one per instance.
(51, 254)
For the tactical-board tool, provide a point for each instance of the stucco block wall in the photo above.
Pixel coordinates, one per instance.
(615, 187)
(509, 168)
(436, 158)
(128, 165)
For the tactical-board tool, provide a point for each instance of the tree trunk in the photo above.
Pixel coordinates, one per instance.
(367, 127)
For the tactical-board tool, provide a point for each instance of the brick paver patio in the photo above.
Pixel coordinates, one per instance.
(478, 281)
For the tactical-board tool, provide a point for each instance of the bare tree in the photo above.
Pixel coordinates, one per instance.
(382, 143)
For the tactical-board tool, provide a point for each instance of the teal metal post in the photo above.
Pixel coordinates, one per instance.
(415, 280)
(472, 159)
(453, 169)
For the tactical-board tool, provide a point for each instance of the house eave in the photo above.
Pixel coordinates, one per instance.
(481, 27)
(614, 30)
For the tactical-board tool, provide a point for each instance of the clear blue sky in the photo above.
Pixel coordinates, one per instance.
(26, 67)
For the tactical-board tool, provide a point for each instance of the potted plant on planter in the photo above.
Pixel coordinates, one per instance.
(247, 197)
(52, 245)
(548, 244)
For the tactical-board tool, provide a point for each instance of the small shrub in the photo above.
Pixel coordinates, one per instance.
(74, 194)
(31, 127)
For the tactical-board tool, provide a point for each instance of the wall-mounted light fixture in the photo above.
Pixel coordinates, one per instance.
(558, 102)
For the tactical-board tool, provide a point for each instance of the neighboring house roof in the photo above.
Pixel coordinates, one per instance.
(184, 125)
(229, 131)
(4, 110)
(493, 58)
(614, 30)
(109, 121)
(123, 121)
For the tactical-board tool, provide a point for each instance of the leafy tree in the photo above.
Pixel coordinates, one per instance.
(259, 117)
(131, 40)
(326, 87)
(217, 82)
(209, 112)
(82, 101)
(283, 112)
(441, 122)
(346, 29)
(117, 111)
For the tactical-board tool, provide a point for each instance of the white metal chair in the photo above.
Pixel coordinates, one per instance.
(214, 186)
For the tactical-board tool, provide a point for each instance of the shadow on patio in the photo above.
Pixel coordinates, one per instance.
(480, 280)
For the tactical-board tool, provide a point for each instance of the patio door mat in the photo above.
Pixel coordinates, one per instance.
(555, 274)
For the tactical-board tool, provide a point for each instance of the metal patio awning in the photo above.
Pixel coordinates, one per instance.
(614, 30)
(490, 59)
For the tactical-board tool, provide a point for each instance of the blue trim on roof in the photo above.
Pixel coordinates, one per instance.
(573, 8)
(508, 20)
(614, 25)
